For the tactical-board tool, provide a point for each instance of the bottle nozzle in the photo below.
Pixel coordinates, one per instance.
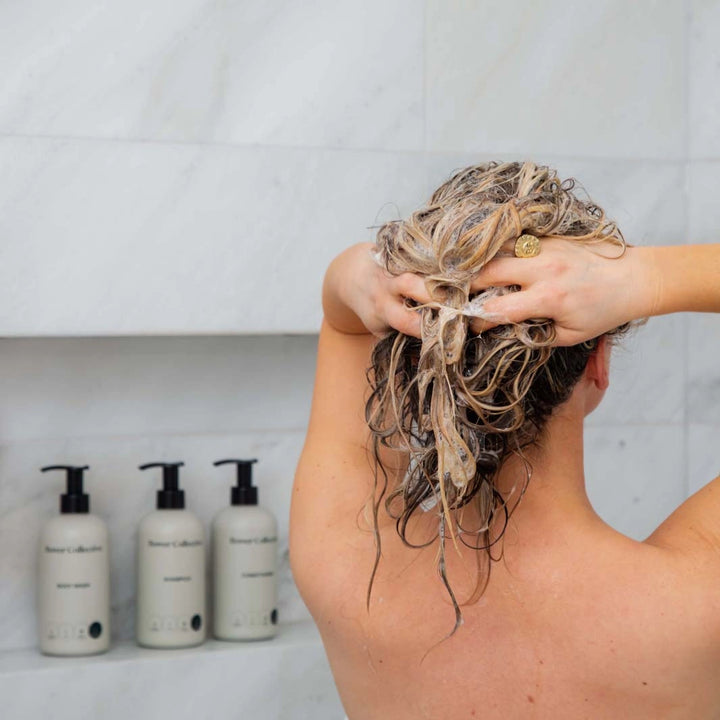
(74, 500)
(244, 493)
(171, 497)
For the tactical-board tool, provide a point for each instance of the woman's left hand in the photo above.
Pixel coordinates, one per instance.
(360, 296)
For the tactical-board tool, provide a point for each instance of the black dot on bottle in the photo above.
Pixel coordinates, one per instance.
(196, 622)
(95, 630)
(273, 617)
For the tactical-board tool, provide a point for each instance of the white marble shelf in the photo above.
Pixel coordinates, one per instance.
(286, 678)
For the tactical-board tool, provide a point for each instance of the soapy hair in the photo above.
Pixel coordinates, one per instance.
(458, 404)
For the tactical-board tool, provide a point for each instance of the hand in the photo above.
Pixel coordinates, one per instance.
(360, 296)
(586, 290)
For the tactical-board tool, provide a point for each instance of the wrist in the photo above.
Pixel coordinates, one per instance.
(647, 282)
(340, 289)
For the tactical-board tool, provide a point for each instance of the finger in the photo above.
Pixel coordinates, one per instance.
(566, 338)
(479, 326)
(404, 319)
(505, 271)
(516, 307)
(412, 286)
(563, 337)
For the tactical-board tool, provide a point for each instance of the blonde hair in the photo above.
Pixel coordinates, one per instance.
(459, 404)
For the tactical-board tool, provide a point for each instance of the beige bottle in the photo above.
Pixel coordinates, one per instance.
(171, 570)
(244, 564)
(73, 575)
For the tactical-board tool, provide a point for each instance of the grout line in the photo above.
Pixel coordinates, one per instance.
(685, 195)
(151, 436)
(501, 155)
(178, 335)
(687, 29)
(424, 76)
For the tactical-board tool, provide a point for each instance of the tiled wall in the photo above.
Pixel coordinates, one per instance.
(190, 167)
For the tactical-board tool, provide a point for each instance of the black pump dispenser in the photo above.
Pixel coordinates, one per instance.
(171, 497)
(74, 500)
(244, 493)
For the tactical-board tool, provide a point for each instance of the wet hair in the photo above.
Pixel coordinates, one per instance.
(456, 403)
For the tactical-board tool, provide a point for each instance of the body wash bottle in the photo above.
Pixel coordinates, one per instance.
(74, 575)
(244, 564)
(171, 570)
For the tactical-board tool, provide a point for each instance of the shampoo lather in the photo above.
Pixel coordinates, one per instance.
(171, 570)
(73, 575)
(244, 564)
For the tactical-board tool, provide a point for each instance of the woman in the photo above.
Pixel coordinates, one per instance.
(441, 534)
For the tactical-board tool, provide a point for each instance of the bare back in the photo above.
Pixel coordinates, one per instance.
(580, 622)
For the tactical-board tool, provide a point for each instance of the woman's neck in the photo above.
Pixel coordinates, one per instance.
(555, 493)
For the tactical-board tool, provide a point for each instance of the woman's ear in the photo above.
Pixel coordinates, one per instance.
(598, 366)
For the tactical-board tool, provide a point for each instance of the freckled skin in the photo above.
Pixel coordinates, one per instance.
(576, 621)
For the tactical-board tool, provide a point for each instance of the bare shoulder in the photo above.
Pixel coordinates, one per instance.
(695, 525)
(690, 539)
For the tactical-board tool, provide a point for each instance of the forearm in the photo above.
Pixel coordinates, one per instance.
(338, 287)
(683, 278)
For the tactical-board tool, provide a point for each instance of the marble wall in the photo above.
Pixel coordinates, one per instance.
(190, 167)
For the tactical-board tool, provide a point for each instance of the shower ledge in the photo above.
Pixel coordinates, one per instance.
(286, 678)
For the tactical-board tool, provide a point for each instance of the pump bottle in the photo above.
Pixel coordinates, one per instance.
(73, 575)
(171, 570)
(244, 563)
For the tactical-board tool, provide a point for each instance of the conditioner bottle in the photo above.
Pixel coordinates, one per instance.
(171, 570)
(244, 563)
(74, 575)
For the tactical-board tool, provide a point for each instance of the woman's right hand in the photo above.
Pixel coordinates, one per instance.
(585, 289)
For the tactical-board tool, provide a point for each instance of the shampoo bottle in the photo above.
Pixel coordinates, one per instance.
(74, 575)
(244, 563)
(171, 570)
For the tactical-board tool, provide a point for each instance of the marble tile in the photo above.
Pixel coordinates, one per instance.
(138, 239)
(154, 385)
(635, 475)
(586, 79)
(647, 381)
(703, 370)
(703, 457)
(703, 206)
(121, 494)
(704, 78)
(317, 73)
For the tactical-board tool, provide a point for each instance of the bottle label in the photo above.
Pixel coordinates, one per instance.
(174, 543)
(265, 574)
(246, 582)
(252, 540)
(73, 548)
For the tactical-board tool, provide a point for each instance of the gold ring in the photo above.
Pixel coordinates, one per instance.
(527, 246)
